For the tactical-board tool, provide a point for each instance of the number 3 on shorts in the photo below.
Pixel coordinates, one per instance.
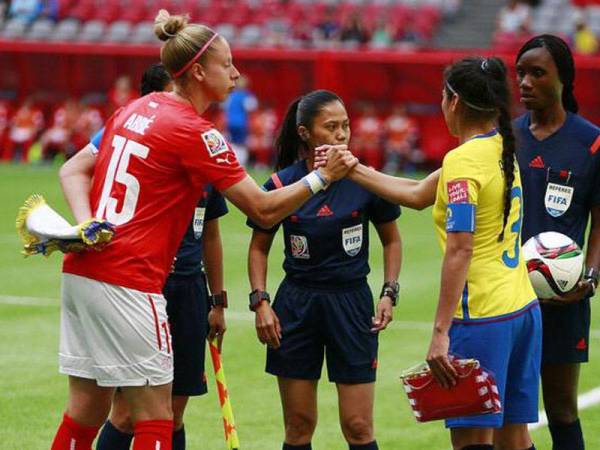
(117, 171)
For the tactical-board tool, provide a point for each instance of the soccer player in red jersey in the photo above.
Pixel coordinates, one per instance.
(155, 157)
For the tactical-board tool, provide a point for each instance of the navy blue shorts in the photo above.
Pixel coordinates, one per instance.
(566, 333)
(510, 348)
(319, 322)
(187, 308)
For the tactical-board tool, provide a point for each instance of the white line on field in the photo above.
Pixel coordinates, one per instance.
(584, 401)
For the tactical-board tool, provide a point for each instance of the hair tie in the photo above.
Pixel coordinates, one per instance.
(469, 104)
(196, 57)
(485, 66)
(169, 35)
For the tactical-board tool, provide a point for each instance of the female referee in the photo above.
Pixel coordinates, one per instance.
(324, 306)
(560, 168)
(155, 156)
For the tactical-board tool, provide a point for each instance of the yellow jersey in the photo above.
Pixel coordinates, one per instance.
(470, 198)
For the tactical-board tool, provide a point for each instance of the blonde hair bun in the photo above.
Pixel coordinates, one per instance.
(167, 26)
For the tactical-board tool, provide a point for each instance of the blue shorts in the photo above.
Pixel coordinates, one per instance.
(566, 333)
(324, 322)
(509, 347)
(187, 309)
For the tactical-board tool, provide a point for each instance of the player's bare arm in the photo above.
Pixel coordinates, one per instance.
(268, 329)
(76, 181)
(268, 208)
(457, 259)
(392, 261)
(212, 251)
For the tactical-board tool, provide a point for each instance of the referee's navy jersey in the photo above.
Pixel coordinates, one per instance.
(327, 239)
(560, 177)
(189, 256)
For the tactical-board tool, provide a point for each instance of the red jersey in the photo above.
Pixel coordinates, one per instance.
(155, 157)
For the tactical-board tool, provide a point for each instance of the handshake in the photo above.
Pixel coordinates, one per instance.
(43, 230)
(334, 161)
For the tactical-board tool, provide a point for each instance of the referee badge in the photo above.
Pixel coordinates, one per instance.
(299, 246)
(558, 198)
(352, 238)
(198, 223)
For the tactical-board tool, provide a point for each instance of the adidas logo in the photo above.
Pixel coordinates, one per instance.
(324, 211)
(537, 163)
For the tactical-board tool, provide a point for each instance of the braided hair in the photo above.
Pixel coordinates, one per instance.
(482, 86)
(301, 111)
(563, 60)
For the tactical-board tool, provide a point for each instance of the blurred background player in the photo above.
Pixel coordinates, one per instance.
(324, 305)
(238, 107)
(559, 160)
(401, 151)
(155, 157)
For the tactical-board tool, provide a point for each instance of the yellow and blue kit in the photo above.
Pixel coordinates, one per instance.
(497, 319)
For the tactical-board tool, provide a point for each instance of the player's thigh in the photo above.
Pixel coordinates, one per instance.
(149, 402)
(465, 436)
(512, 436)
(120, 415)
(355, 403)
(559, 388)
(298, 398)
(88, 403)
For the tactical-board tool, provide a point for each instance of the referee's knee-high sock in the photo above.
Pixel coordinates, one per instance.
(73, 436)
(369, 446)
(566, 436)
(179, 439)
(297, 447)
(112, 438)
(153, 434)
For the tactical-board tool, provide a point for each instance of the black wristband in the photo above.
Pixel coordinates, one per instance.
(592, 275)
(219, 299)
(390, 289)
(256, 297)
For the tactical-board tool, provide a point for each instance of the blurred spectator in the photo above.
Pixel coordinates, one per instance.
(57, 139)
(585, 41)
(303, 34)
(383, 34)
(25, 127)
(367, 137)
(3, 10)
(278, 28)
(514, 18)
(401, 151)
(49, 9)
(354, 31)
(4, 123)
(261, 139)
(120, 94)
(25, 10)
(411, 35)
(328, 29)
(237, 107)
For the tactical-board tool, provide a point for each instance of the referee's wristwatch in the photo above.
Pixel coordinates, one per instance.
(390, 289)
(592, 276)
(219, 299)
(256, 297)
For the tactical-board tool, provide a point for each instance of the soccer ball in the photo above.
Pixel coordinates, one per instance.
(554, 262)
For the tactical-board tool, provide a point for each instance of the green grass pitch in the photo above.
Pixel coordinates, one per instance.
(33, 393)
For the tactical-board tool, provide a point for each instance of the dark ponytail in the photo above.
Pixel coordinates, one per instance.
(302, 111)
(482, 85)
(563, 60)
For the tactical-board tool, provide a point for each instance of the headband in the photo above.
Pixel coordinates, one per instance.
(470, 105)
(196, 57)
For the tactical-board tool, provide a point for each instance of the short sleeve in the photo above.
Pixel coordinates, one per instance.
(208, 158)
(272, 183)
(215, 206)
(382, 211)
(96, 140)
(461, 184)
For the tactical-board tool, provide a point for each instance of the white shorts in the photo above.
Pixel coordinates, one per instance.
(114, 335)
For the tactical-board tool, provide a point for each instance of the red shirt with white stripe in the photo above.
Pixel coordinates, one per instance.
(155, 157)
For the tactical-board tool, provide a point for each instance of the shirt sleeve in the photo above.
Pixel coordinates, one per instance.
(382, 211)
(215, 206)
(210, 159)
(271, 184)
(461, 191)
(595, 150)
(95, 141)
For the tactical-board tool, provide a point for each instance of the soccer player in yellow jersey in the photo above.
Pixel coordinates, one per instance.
(487, 308)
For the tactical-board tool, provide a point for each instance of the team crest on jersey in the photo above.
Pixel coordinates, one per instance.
(458, 191)
(352, 238)
(299, 246)
(558, 198)
(215, 142)
(198, 223)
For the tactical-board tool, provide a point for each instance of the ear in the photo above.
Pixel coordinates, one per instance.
(454, 102)
(197, 72)
(303, 133)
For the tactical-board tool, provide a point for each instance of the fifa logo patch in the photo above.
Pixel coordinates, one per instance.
(458, 191)
(215, 142)
(352, 238)
(198, 223)
(558, 199)
(299, 246)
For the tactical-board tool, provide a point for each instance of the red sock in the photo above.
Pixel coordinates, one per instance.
(152, 435)
(74, 436)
